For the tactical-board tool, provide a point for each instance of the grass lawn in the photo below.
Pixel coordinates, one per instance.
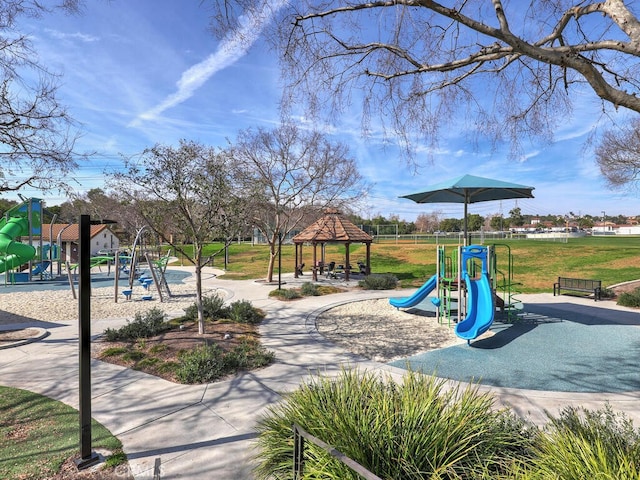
(38, 434)
(536, 264)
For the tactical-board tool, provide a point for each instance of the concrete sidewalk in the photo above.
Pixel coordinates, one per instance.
(206, 431)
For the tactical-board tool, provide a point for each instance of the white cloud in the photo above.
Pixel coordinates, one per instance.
(232, 47)
(83, 37)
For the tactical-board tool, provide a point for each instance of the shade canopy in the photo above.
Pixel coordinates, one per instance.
(470, 189)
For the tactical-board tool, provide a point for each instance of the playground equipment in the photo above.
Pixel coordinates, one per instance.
(418, 296)
(480, 298)
(469, 284)
(15, 253)
(23, 220)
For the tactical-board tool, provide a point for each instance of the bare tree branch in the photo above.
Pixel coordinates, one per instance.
(514, 68)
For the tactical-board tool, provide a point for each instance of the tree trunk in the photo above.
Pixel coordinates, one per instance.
(272, 261)
(198, 262)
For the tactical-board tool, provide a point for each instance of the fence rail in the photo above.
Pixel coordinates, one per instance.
(299, 436)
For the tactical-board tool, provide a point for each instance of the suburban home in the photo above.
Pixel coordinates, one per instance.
(67, 237)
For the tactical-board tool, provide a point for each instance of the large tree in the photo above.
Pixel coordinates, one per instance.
(36, 134)
(513, 68)
(187, 193)
(288, 173)
(618, 155)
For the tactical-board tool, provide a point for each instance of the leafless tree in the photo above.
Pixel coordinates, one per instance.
(285, 172)
(512, 68)
(185, 192)
(618, 155)
(37, 136)
(428, 222)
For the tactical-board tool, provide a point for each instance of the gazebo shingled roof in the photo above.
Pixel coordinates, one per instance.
(332, 228)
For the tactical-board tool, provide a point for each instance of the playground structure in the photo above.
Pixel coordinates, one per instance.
(22, 261)
(470, 283)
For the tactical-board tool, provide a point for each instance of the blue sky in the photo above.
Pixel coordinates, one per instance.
(135, 73)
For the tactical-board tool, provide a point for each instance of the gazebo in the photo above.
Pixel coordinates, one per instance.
(331, 228)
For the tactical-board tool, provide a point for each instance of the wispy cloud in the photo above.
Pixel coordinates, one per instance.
(83, 37)
(232, 47)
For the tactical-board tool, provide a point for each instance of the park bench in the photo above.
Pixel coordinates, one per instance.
(578, 285)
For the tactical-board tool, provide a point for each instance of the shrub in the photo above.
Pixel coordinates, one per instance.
(201, 365)
(415, 429)
(208, 363)
(145, 325)
(630, 299)
(589, 444)
(309, 289)
(242, 311)
(247, 356)
(379, 281)
(607, 293)
(285, 293)
(212, 308)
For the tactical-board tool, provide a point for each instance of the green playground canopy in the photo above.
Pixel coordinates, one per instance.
(470, 189)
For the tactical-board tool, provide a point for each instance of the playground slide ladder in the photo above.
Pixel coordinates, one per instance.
(505, 284)
(157, 272)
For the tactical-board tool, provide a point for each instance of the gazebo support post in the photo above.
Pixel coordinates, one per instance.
(315, 263)
(295, 269)
(368, 267)
(347, 267)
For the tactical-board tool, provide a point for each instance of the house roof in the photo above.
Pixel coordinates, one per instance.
(71, 233)
(332, 227)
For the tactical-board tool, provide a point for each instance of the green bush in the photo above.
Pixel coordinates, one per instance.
(285, 293)
(145, 325)
(379, 281)
(212, 308)
(247, 356)
(589, 444)
(416, 429)
(309, 289)
(201, 365)
(242, 311)
(630, 299)
(209, 363)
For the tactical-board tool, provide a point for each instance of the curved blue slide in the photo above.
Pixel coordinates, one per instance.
(417, 297)
(480, 308)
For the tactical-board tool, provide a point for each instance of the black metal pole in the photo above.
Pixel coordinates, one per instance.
(87, 457)
(279, 260)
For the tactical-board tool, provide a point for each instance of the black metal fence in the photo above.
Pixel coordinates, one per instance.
(299, 436)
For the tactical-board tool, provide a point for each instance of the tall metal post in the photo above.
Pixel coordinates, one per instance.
(279, 260)
(87, 457)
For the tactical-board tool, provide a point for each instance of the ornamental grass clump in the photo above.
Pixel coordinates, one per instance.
(416, 429)
(589, 444)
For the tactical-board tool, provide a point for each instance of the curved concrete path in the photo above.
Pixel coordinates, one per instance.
(206, 431)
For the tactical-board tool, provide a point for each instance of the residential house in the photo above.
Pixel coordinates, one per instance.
(67, 236)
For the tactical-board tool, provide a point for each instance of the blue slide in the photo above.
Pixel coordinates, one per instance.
(417, 297)
(480, 303)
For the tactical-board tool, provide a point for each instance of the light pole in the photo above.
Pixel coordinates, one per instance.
(604, 224)
(87, 456)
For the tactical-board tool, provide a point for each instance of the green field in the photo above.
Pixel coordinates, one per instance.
(536, 263)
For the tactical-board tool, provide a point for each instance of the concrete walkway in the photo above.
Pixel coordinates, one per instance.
(206, 431)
